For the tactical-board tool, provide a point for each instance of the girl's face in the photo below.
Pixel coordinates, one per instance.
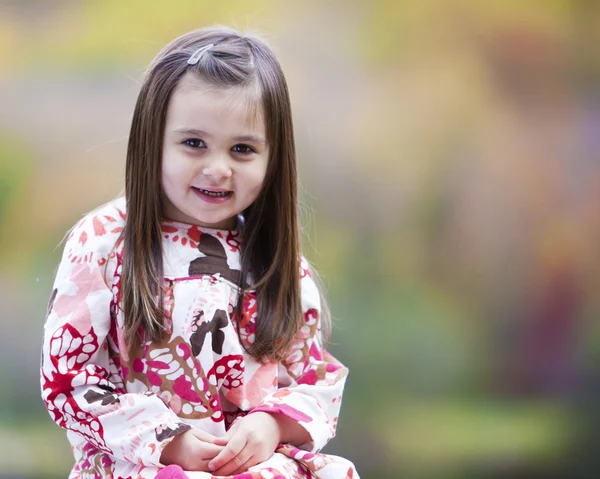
(215, 153)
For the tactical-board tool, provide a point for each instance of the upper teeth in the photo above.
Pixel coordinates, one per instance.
(213, 193)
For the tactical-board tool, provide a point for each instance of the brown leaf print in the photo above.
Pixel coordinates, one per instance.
(214, 326)
(214, 261)
(105, 397)
(164, 432)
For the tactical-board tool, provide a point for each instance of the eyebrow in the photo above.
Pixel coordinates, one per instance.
(196, 132)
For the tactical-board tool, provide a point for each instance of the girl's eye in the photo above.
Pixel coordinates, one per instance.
(194, 143)
(243, 149)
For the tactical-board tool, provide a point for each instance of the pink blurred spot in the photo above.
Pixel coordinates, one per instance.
(83, 238)
(185, 350)
(157, 364)
(286, 411)
(315, 352)
(282, 393)
(154, 378)
(183, 388)
(309, 378)
(175, 404)
(99, 229)
(138, 365)
(88, 280)
(332, 367)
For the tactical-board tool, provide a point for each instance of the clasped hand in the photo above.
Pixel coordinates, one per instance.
(250, 441)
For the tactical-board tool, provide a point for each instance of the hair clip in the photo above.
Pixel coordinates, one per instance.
(197, 55)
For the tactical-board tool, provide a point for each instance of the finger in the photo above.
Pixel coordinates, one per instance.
(235, 445)
(200, 465)
(247, 465)
(209, 438)
(236, 464)
(231, 431)
(220, 440)
(209, 451)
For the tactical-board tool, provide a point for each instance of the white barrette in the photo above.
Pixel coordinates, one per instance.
(197, 55)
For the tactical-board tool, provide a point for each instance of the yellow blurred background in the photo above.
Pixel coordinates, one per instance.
(450, 166)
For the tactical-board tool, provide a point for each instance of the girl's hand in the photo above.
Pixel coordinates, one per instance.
(192, 450)
(252, 440)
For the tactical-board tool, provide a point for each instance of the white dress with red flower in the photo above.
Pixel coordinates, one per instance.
(120, 411)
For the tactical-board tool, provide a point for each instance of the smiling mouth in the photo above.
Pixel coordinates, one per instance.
(214, 194)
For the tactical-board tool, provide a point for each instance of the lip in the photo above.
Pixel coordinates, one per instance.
(216, 190)
(217, 200)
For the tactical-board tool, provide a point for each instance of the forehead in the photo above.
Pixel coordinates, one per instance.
(235, 110)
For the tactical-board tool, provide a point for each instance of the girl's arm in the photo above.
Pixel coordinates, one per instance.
(303, 411)
(82, 385)
(311, 381)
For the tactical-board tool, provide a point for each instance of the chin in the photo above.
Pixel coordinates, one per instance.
(215, 223)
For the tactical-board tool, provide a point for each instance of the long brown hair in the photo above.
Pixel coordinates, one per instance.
(270, 237)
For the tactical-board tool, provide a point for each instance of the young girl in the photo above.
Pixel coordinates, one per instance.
(184, 331)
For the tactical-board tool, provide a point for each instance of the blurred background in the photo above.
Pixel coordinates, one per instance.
(450, 164)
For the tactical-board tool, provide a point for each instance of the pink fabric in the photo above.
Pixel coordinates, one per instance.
(172, 472)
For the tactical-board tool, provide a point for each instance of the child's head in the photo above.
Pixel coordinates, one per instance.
(203, 91)
(215, 152)
(212, 137)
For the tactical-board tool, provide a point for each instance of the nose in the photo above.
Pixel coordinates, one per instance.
(216, 167)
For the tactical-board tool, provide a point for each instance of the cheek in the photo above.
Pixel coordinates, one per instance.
(258, 175)
(174, 172)
(166, 181)
(255, 182)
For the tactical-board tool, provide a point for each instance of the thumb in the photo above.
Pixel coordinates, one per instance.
(234, 427)
(228, 435)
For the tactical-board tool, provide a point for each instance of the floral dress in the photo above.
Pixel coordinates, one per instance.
(120, 411)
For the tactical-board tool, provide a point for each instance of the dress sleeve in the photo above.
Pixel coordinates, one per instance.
(310, 380)
(82, 386)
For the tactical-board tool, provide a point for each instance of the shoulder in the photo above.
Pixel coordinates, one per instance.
(95, 236)
(309, 289)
